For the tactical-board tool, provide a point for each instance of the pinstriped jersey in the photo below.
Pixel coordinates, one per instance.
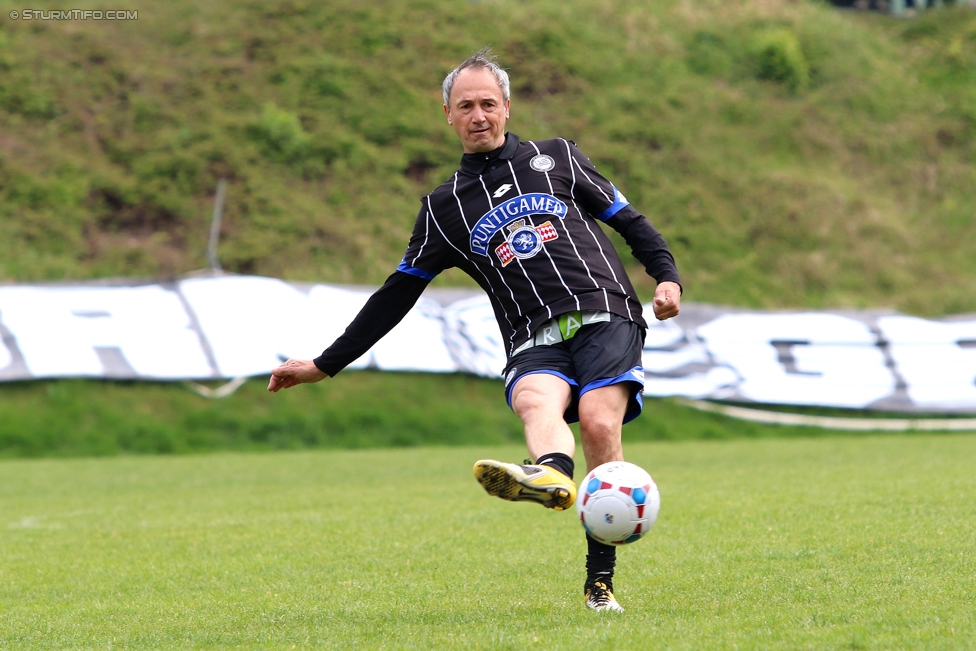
(526, 229)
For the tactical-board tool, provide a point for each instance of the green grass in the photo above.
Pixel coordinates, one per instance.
(828, 543)
(794, 155)
(358, 409)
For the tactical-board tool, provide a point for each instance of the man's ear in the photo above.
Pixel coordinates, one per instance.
(447, 112)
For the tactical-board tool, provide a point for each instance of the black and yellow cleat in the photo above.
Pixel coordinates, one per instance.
(527, 483)
(599, 596)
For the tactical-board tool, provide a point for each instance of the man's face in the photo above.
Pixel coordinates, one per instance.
(477, 110)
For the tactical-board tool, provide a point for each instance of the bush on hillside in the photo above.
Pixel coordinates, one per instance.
(778, 57)
(281, 134)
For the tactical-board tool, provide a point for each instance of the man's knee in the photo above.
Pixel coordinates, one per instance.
(600, 426)
(540, 393)
(601, 411)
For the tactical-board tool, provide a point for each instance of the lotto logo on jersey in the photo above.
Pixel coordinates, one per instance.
(524, 241)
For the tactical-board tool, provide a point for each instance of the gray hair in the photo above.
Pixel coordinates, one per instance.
(480, 59)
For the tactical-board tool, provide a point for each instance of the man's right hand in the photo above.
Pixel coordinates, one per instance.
(292, 372)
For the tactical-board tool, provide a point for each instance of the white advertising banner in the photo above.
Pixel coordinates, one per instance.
(239, 326)
(830, 359)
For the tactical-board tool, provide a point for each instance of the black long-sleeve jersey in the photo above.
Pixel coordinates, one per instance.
(522, 222)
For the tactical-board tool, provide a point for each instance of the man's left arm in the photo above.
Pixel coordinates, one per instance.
(649, 247)
(606, 203)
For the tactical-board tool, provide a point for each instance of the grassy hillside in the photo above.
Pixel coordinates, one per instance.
(793, 154)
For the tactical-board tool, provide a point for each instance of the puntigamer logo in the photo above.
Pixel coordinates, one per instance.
(507, 212)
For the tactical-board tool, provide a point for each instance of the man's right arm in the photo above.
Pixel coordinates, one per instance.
(382, 312)
(384, 309)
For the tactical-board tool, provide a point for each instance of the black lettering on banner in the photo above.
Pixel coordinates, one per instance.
(17, 368)
(784, 355)
(114, 363)
(967, 343)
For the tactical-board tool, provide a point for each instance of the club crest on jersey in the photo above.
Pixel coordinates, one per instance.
(508, 212)
(542, 163)
(524, 240)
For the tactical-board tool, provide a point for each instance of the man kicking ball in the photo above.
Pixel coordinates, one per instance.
(522, 218)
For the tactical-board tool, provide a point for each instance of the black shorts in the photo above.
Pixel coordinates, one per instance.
(599, 355)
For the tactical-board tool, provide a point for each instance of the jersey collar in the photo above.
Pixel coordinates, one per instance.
(477, 163)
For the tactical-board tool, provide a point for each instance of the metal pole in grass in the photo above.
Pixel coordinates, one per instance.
(218, 213)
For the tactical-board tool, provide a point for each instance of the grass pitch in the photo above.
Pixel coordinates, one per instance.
(829, 543)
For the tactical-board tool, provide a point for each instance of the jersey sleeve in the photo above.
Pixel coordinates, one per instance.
(423, 260)
(428, 253)
(606, 203)
(646, 243)
(601, 199)
(382, 312)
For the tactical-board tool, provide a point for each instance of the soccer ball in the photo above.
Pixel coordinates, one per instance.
(618, 503)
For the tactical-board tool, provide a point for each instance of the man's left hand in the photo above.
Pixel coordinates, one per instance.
(667, 300)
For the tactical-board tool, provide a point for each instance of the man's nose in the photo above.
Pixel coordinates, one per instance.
(478, 115)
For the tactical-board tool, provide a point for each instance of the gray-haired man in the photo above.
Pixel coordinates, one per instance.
(521, 218)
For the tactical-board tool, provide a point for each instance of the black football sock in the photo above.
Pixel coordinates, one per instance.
(600, 561)
(558, 461)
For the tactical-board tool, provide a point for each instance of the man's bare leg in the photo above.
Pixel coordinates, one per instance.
(601, 423)
(540, 400)
(601, 413)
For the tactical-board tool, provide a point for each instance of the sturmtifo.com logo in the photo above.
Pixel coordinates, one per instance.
(74, 14)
